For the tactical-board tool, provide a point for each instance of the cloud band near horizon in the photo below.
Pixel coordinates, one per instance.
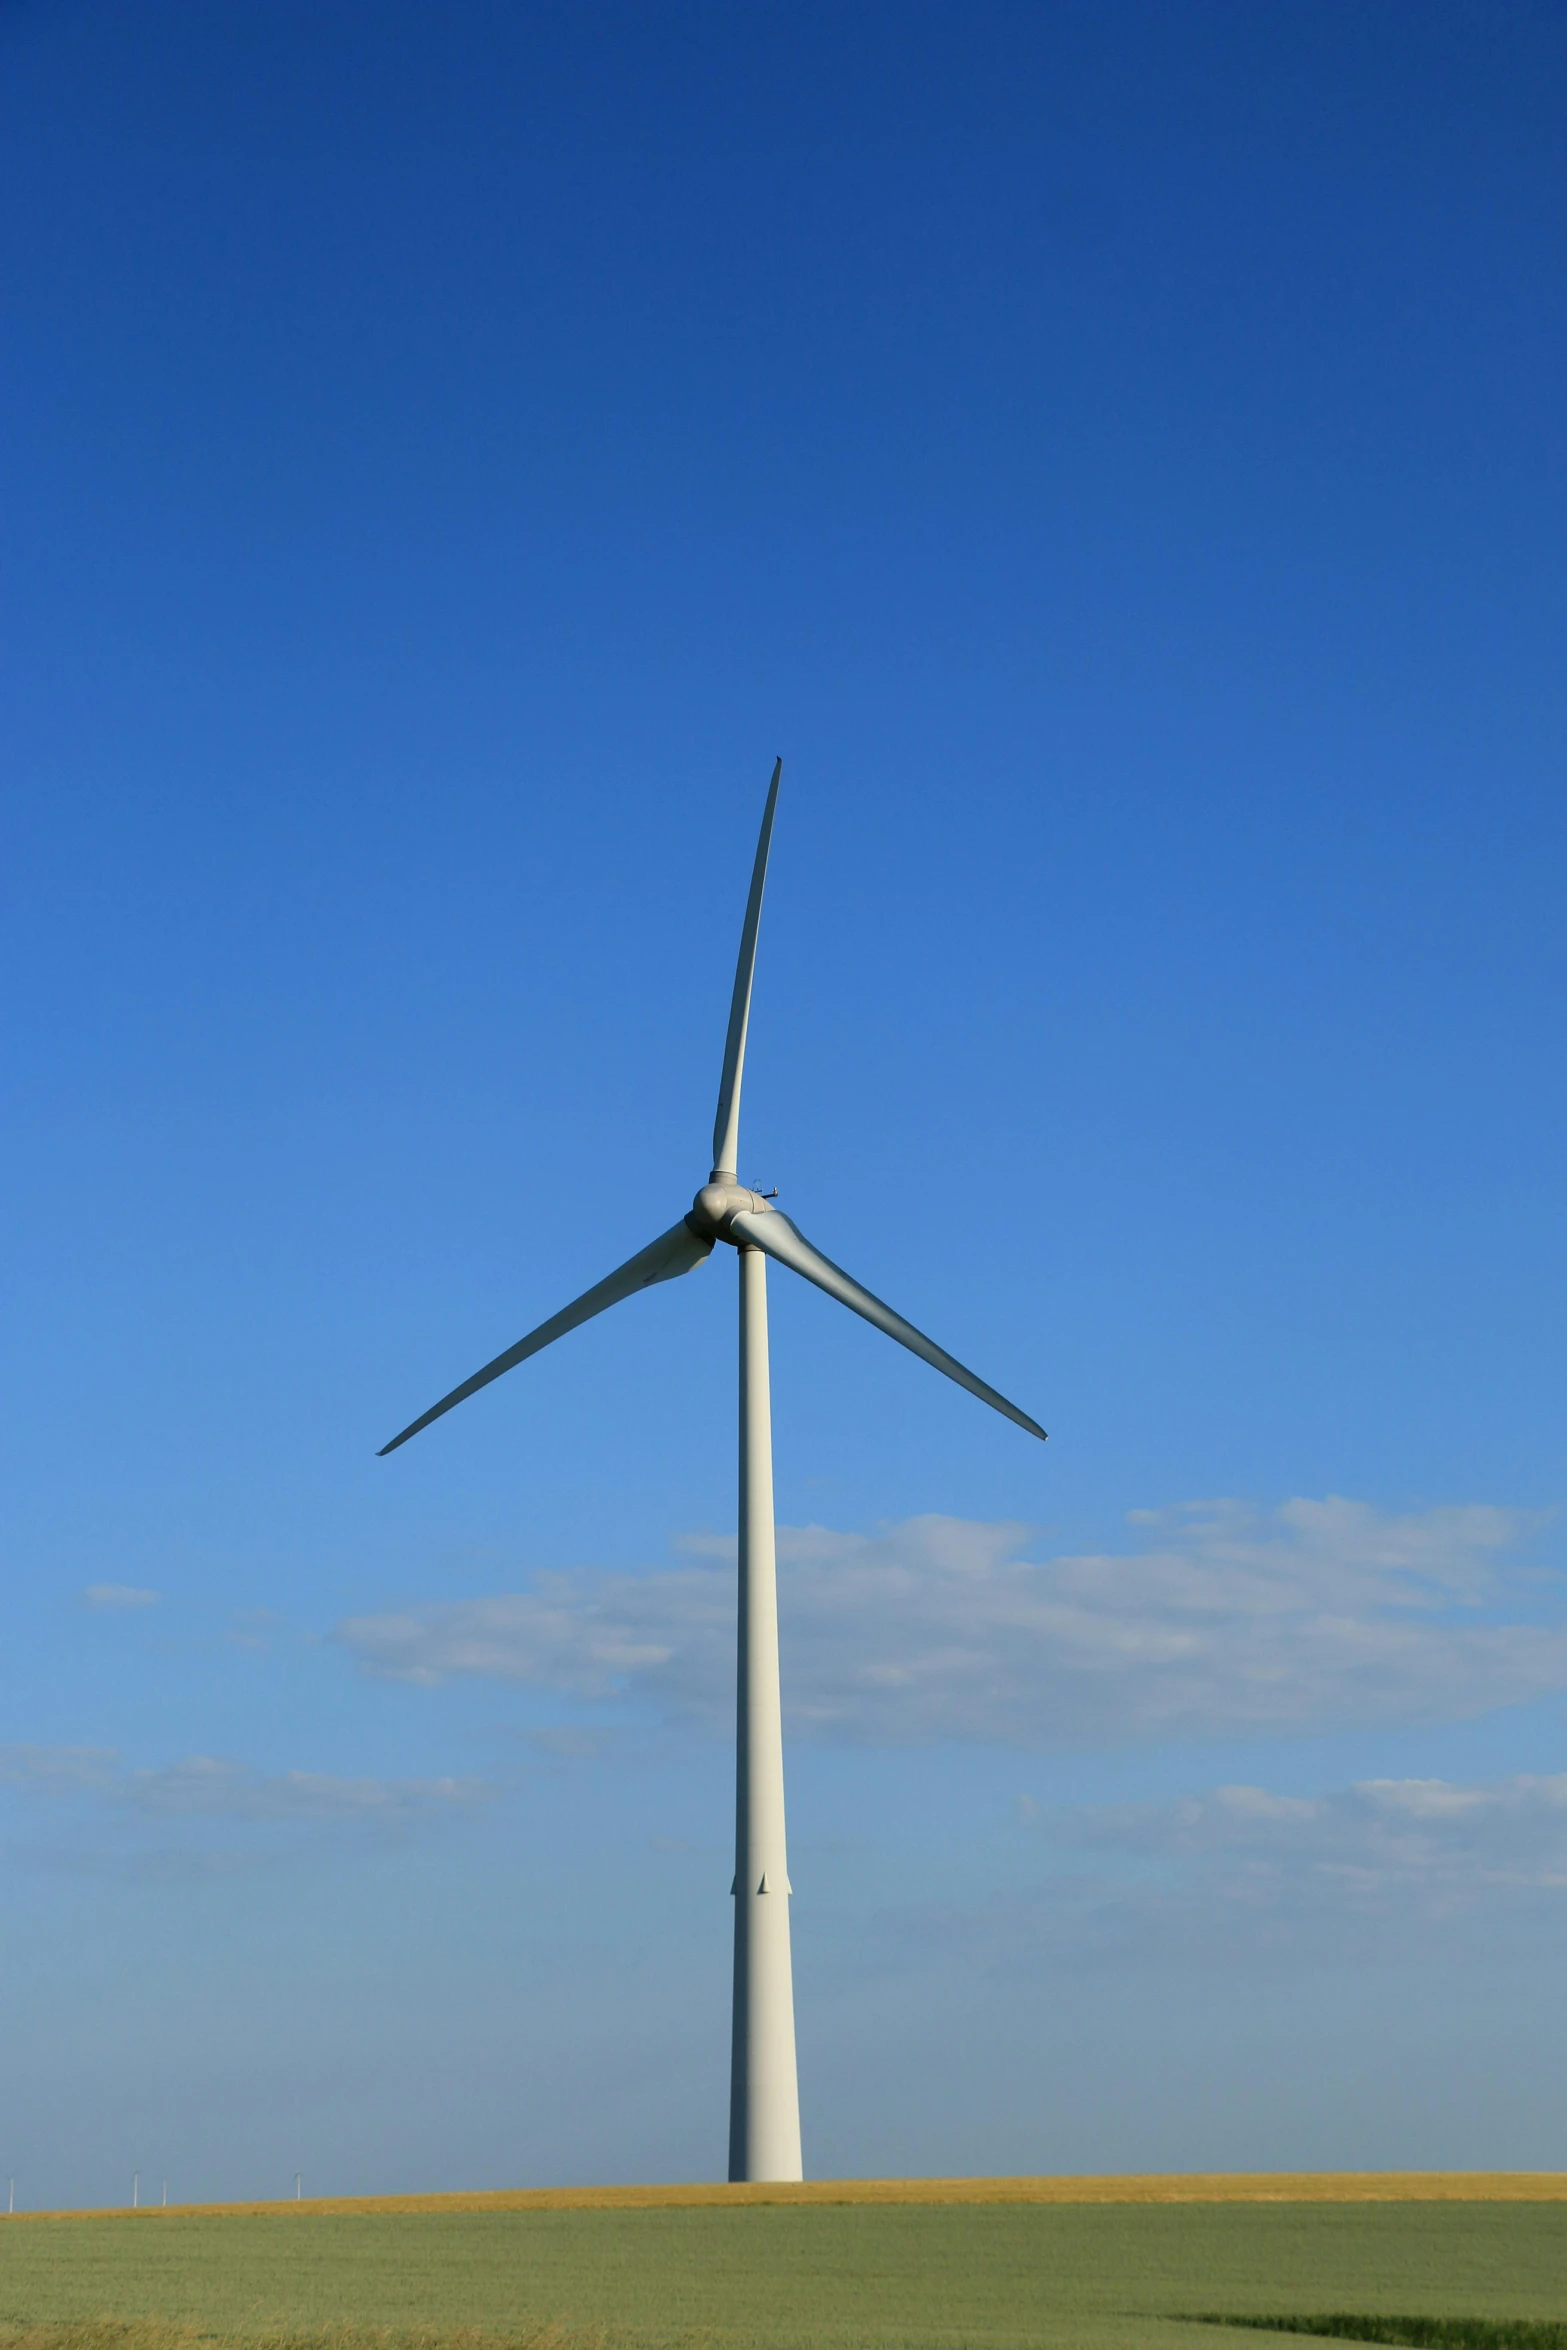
(1317, 1615)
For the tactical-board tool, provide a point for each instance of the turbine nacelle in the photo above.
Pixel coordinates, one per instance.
(717, 1204)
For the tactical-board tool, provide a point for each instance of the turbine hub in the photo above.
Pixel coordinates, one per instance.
(717, 1203)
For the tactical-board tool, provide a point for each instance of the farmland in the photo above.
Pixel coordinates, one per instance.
(1013, 2263)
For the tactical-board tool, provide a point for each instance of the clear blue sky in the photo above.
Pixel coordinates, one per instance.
(1116, 455)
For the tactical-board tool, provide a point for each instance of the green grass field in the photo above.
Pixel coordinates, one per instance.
(1104, 2276)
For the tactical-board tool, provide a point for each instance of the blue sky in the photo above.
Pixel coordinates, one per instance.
(1115, 455)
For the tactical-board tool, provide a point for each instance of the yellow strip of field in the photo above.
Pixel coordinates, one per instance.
(1176, 2187)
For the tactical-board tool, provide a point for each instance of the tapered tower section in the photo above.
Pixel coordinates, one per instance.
(764, 2095)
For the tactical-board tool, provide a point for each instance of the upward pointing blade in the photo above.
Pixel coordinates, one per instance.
(726, 1126)
(676, 1251)
(772, 1232)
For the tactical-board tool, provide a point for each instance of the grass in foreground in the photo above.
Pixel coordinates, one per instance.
(771, 2277)
(149, 2334)
(1416, 2333)
(153, 2334)
(1408, 2333)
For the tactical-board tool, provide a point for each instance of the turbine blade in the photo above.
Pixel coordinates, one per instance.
(678, 1250)
(772, 1232)
(726, 1126)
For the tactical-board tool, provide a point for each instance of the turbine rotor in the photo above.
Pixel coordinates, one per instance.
(718, 1203)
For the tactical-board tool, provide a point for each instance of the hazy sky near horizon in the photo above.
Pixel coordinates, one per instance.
(1116, 455)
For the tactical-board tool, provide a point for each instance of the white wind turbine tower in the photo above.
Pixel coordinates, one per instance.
(764, 2102)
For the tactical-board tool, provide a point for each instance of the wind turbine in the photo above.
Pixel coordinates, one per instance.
(764, 2101)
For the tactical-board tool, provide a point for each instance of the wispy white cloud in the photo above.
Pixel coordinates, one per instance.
(204, 1786)
(209, 1787)
(1387, 1867)
(1380, 1838)
(113, 1598)
(586, 1633)
(1317, 1614)
(57, 1770)
(256, 1630)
